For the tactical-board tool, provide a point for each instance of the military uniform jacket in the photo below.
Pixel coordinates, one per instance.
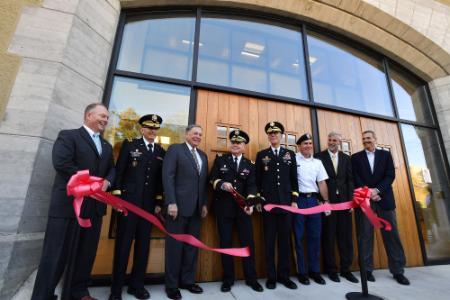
(243, 181)
(276, 177)
(139, 173)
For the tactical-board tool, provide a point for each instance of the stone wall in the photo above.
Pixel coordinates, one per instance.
(65, 48)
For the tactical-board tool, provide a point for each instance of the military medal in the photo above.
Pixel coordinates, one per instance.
(266, 161)
(135, 155)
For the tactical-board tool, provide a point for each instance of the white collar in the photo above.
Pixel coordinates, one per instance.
(305, 158)
(370, 152)
(333, 154)
(147, 142)
(238, 157)
(90, 131)
(190, 147)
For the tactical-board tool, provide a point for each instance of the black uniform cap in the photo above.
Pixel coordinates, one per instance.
(303, 138)
(239, 136)
(151, 121)
(274, 126)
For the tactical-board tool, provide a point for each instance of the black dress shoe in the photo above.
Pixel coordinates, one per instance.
(138, 293)
(350, 277)
(173, 294)
(303, 279)
(288, 283)
(115, 297)
(401, 279)
(370, 276)
(255, 286)
(271, 284)
(317, 278)
(225, 287)
(193, 288)
(334, 277)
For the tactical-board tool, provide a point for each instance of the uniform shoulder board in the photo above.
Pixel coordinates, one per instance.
(219, 155)
(129, 139)
(251, 161)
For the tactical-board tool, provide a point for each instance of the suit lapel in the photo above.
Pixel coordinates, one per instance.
(341, 159)
(88, 139)
(188, 153)
(376, 160)
(366, 162)
(329, 163)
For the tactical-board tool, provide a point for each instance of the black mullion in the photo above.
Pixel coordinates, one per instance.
(157, 78)
(196, 44)
(193, 107)
(315, 129)
(390, 88)
(413, 198)
(114, 58)
(307, 66)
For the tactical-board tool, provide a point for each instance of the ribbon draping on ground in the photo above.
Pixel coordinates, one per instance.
(82, 185)
(361, 198)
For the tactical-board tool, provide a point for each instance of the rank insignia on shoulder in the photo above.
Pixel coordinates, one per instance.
(159, 157)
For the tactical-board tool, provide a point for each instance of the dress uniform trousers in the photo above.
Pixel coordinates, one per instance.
(312, 225)
(245, 234)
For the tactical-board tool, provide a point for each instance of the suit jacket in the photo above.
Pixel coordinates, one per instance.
(243, 180)
(382, 177)
(182, 183)
(139, 173)
(342, 181)
(73, 151)
(276, 177)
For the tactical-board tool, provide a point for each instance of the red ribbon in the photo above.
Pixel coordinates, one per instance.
(361, 198)
(82, 185)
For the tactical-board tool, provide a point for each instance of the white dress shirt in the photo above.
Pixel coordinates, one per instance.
(371, 158)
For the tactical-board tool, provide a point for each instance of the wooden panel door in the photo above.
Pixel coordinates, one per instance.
(388, 137)
(215, 109)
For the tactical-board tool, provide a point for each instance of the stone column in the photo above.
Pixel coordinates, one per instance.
(65, 46)
(440, 92)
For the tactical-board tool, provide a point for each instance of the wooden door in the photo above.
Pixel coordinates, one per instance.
(218, 112)
(388, 137)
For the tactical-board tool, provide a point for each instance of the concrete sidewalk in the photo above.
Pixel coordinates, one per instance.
(430, 283)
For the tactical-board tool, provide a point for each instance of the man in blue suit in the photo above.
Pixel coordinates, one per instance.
(375, 169)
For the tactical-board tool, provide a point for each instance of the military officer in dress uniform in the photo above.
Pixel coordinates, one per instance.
(234, 172)
(276, 179)
(312, 178)
(139, 169)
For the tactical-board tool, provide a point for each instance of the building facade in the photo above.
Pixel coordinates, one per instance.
(316, 66)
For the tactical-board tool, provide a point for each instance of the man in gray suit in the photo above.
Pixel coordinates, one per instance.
(185, 171)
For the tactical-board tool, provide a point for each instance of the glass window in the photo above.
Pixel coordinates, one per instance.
(162, 47)
(252, 56)
(410, 96)
(132, 98)
(431, 188)
(345, 77)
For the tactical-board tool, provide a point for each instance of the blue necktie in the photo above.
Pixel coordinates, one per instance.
(98, 144)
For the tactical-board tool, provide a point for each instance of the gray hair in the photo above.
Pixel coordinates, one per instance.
(335, 134)
(91, 107)
(371, 132)
(192, 126)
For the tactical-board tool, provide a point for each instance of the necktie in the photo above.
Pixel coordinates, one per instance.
(97, 142)
(150, 148)
(236, 166)
(194, 155)
(276, 152)
(333, 160)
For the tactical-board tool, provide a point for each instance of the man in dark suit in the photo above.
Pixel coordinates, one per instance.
(139, 172)
(276, 179)
(375, 169)
(185, 179)
(233, 172)
(339, 223)
(75, 150)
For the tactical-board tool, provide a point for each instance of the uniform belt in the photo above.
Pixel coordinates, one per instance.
(308, 195)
